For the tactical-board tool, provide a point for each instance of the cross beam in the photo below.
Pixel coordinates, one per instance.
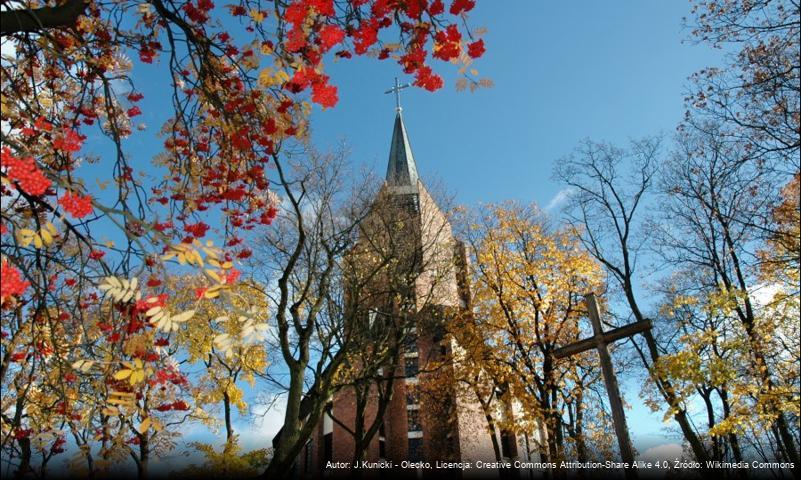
(600, 341)
(609, 337)
(396, 90)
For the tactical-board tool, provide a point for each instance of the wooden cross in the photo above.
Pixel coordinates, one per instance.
(600, 342)
(396, 89)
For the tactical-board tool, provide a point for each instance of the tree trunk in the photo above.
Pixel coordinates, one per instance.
(710, 420)
(551, 430)
(668, 392)
(229, 428)
(360, 443)
(144, 457)
(581, 442)
(282, 458)
(556, 420)
(25, 457)
(496, 448)
(732, 437)
(485, 407)
(39, 19)
(543, 445)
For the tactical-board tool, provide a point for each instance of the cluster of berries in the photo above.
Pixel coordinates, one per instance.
(12, 283)
(76, 205)
(25, 172)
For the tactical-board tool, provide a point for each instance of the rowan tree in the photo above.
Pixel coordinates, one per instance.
(89, 255)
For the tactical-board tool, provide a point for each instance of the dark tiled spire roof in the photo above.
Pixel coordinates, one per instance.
(401, 169)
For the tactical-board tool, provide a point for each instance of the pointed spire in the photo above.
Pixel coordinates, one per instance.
(401, 170)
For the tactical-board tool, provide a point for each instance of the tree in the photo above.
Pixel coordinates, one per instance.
(529, 282)
(749, 115)
(299, 258)
(781, 259)
(479, 376)
(604, 207)
(388, 290)
(339, 256)
(756, 95)
(703, 358)
(710, 191)
(231, 348)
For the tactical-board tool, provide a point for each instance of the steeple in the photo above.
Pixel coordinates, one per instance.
(401, 169)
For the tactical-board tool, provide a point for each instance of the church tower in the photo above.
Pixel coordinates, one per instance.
(417, 426)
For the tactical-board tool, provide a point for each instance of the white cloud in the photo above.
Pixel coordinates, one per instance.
(260, 432)
(559, 199)
(764, 294)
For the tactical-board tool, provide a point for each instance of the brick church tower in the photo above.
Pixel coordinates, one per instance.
(415, 427)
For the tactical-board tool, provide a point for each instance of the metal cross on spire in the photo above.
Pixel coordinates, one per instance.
(396, 89)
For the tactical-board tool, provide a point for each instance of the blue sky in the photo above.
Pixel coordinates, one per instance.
(563, 71)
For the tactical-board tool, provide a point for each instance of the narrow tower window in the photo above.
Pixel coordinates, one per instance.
(411, 367)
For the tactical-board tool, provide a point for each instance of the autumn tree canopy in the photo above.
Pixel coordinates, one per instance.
(529, 282)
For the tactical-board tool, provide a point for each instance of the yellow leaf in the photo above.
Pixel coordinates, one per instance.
(213, 275)
(136, 377)
(282, 76)
(142, 428)
(83, 365)
(257, 15)
(47, 238)
(267, 77)
(123, 374)
(212, 292)
(198, 259)
(25, 236)
(184, 316)
(128, 395)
